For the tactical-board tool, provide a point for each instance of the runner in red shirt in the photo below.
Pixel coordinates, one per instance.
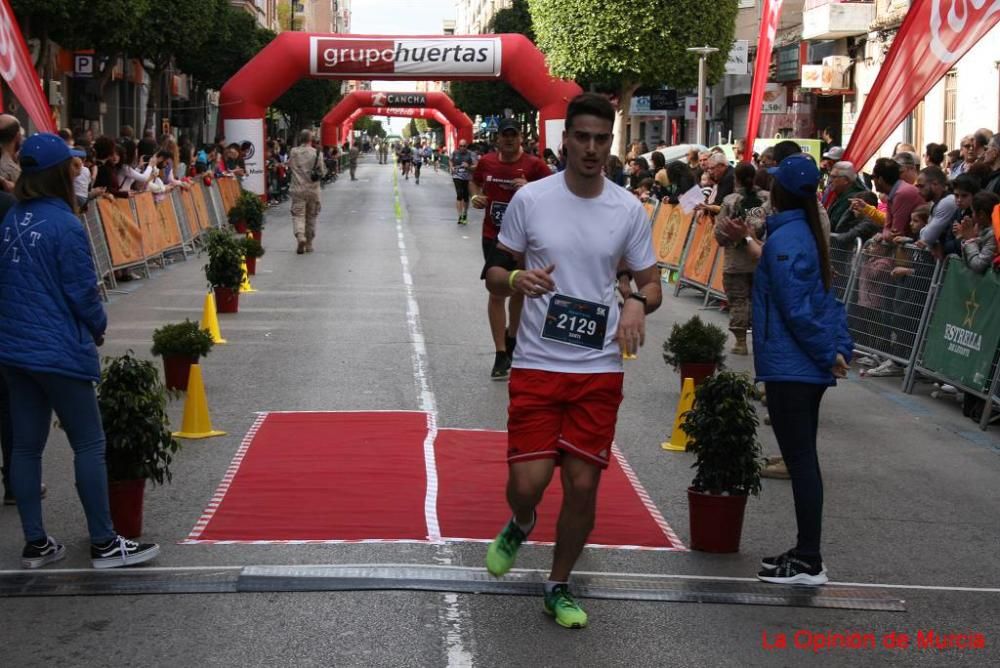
(496, 179)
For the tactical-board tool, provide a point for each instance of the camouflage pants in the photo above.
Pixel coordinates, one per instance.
(738, 289)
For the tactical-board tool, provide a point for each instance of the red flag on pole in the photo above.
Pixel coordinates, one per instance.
(19, 72)
(768, 27)
(935, 34)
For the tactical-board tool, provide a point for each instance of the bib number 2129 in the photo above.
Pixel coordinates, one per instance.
(576, 322)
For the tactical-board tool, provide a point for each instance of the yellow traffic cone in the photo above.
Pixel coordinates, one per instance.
(196, 423)
(678, 438)
(210, 319)
(245, 285)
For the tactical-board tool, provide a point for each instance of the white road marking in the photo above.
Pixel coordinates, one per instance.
(453, 616)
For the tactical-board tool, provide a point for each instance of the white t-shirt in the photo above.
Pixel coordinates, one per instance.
(585, 238)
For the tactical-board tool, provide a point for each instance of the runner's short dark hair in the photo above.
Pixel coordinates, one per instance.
(589, 104)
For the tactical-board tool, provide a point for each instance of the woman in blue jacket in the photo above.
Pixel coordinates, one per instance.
(51, 322)
(801, 346)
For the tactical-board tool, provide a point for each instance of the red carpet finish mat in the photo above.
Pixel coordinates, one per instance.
(392, 476)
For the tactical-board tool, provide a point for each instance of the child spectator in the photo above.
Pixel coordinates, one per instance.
(975, 232)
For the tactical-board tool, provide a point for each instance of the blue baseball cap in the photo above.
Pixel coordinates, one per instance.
(798, 174)
(45, 150)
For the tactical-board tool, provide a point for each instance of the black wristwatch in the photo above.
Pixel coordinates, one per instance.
(638, 296)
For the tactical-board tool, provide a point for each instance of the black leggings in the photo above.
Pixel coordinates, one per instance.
(461, 190)
(794, 412)
(416, 169)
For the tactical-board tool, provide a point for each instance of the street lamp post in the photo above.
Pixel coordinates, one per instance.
(703, 52)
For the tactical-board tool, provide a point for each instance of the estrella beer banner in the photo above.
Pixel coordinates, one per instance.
(935, 34)
(768, 28)
(367, 56)
(19, 72)
(964, 331)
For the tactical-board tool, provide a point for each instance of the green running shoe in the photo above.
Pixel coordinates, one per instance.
(561, 605)
(503, 550)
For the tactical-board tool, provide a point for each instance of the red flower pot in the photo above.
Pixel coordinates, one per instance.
(240, 227)
(257, 234)
(716, 521)
(125, 498)
(176, 369)
(697, 370)
(227, 300)
(251, 265)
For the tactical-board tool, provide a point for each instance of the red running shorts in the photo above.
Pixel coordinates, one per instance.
(552, 414)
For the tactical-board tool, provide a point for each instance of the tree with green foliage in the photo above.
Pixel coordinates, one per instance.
(635, 43)
(306, 102)
(370, 126)
(488, 98)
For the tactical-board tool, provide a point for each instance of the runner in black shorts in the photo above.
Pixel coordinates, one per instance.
(462, 162)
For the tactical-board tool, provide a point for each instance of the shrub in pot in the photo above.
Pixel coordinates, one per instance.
(247, 213)
(180, 344)
(251, 251)
(696, 349)
(722, 427)
(140, 446)
(224, 270)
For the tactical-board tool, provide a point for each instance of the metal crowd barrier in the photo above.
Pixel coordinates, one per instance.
(128, 234)
(889, 299)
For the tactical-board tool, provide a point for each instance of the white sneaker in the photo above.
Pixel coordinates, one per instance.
(887, 369)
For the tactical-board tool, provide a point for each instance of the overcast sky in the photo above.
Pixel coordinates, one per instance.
(399, 17)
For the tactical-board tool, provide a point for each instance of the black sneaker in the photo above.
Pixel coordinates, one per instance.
(795, 571)
(122, 552)
(45, 552)
(770, 563)
(501, 367)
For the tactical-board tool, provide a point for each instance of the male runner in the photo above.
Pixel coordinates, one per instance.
(497, 176)
(406, 159)
(563, 239)
(462, 163)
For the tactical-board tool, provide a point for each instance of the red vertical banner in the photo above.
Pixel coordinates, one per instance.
(934, 36)
(19, 72)
(762, 64)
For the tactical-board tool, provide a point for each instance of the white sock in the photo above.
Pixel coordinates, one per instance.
(552, 584)
(526, 528)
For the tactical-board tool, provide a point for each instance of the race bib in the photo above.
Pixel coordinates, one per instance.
(497, 210)
(576, 322)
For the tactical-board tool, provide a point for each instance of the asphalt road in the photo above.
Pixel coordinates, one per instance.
(912, 488)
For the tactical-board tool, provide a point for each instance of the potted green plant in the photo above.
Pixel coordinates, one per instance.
(140, 447)
(251, 251)
(722, 427)
(247, 213)
(180, 344)
(696, 349)
(224, 270)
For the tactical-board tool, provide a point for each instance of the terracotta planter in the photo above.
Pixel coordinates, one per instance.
(240, 227)
(257, 235)
(716, 521)
(227, 300)
(125, 498)
(697, 370)
(251, 265)
(176, 369)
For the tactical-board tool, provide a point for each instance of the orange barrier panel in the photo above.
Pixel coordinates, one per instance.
(229, 188)
(153, 242)
(701, 253)
(198, 198)
(121, 231)
(716, 283)
(190, 213)
(670, 231)
(169, 227)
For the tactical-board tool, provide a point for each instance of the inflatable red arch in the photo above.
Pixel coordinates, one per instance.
(345, 128)
(361, 99)
(295, 55)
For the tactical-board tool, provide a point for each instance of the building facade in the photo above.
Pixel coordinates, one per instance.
(265, 12)
(474, 15)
